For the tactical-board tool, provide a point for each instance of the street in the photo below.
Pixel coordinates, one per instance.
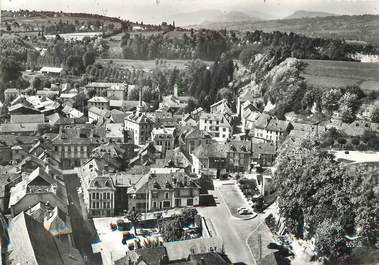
(84, 232)
(234, 231)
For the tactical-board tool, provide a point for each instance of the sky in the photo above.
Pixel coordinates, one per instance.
(156, 11)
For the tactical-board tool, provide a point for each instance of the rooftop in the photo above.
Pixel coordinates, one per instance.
(27, 118)
(98, 100)
(55, 70)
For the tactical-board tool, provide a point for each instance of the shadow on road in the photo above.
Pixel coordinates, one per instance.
(84, 232)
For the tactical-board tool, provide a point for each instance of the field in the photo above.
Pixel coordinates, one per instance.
(145, 65)
(339, 73)
(75, 36)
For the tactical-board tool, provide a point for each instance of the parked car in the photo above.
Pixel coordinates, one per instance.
(244, 211)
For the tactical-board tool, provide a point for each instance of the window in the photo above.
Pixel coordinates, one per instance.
(166, 204)
(189, 202)
(224, 129)
(166, 195)
(154, 204)
(141, 205)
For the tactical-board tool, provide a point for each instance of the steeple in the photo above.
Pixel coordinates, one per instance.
(140, 106)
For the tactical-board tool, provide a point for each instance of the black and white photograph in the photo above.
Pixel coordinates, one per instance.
(189, 132)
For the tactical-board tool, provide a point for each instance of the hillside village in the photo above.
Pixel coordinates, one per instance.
(209, 164)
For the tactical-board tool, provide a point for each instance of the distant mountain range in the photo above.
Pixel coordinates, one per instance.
(213, 16)
(204, 17)
(306, 14)
(359, 27)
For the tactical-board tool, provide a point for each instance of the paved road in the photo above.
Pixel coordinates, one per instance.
(232, 230)
(84, 232)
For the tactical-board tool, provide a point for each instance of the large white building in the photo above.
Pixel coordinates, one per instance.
(218, 125)
(270, 129)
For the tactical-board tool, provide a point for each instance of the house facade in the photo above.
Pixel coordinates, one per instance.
(140, 125)
(270, 129)
(98, 191)
(218, 125)
(163, 190)
(99, 102)
(163, 139)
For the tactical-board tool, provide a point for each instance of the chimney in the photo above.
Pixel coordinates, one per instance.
(139, 107)
(176, 90)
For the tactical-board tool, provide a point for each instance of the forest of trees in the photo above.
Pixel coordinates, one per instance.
(73, 56)
(327, 200)
(205, 45)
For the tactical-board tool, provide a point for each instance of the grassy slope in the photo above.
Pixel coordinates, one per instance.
(339, 73)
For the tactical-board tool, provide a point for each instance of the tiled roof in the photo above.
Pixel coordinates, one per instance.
(56, 70)
(98, 100)
(101, 183)
(97, 111)
(138, 118)
(163, 181)
(32, 244)
(68, 110)
(114, 130)
(102, 84)
(211, 150)
(265, 121)
(18, 127)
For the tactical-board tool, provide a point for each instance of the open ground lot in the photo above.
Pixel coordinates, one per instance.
(145, 65)
(339, 73)
(357, 156)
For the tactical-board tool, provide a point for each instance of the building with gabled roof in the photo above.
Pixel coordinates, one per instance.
(30, 243)
(101, 88)
(163, 190)
(179, 159)
(96, 114)
(191, 137)
(56, 221)
(98, 190)
(51, 70)
(75, 142)
(218, 125)
(99, 102)
(221, 106)
(163, 139)
(140, 125)
(71, 112)
(36, 187)
(270, 128)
